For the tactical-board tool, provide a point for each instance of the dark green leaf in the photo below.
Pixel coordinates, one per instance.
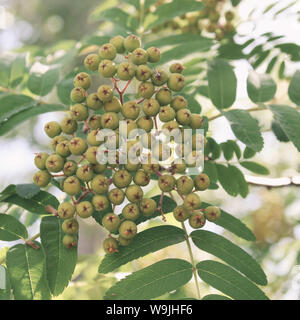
(245, 128)
(11, 228)
(235, 2)
(255, 167)
(232, 224)
(249, 153)
(213, 148)
(222, 83)
(145, 242)
(279, 133)
(260, 87)
(229, 281)
(27, 272)
(294, 88)
(229, 253)
(27, 191)
(227, 150)
(231, 50)
(159, 278)
(261, 58)
(42, 83)
(60, 261)
(271, 64)
(211, 170)
(281, 70)
(225, 177)
(238, 176)
(235, 148)
(291, 49)
(64, 89)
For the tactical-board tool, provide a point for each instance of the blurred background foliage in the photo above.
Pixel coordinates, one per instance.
(51, 29)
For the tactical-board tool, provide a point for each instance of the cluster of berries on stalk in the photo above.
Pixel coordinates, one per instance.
(97, 187)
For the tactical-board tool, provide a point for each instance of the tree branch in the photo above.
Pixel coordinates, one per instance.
(273, 182)
(258, 108)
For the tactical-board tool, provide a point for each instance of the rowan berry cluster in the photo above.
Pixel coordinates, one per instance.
(97, 186)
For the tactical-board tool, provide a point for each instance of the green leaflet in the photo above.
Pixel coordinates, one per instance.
(145, 242)
(230, 253)
(27, 272)
(255, 167)
(60, 261)
(229, 281)
(294, 88)
(5, 287)
(153, 281)
(11, 228)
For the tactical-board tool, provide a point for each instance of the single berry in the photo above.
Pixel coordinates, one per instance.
(70, 226)
(110, 120)
(66, 210)
(179, 167)
(159, 77)
(42, 178)
(118, 43)
(132, 42)
(197, 220)
(166, 182)
(85, 173)
(181, 214)
(178, 102)
(185, 185)
(62, 149)
(183, 116)
(176, 82)
(130, 110)
(93, 138)
(129, 166)
(116, 196)
(164, 96)
(114, 105)
(69, 168)
(143, 73)
(166, 114)
(100, 202)
(91, 155)
(52, 129)
(110, 245)
(107, 68)
(79, 112)
(55, 163)
(108, 51)
(151, 107)
(126, 71)
(148, 207)
(69, 241)
(196, 121)
(93, 102)
(78, 95)
(134, 193)
(100, 184)
(131, 211)
(105, 93)
(72, 186)
(176, 68)
(141, 178)
(153, 54)
(145, 123)
(212, 213)
(146, 90)
(139, 56)
(82, 80)
(111, 222)
(124, 242)
(128, 229)
(84, 209)
(92, 61)
(192, 202)
(99, 168)
(40, 160)
(122, 178)
(77, 146)
(68, 125)
(94, 121)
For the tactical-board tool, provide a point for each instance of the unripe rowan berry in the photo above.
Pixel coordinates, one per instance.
(70, 226)
(69, 241)
(183, 116)
(107, 68)
(94, 121)
(153, 54)
(212, 213)
(176, 82)
(54, 163)
(192, 202)
(111, 222)
(62, 149)
(145, 123)
(166, 114)
(146, 90)
(42, 178)
(105, 93)
(100, 184)
(176, 68)
(170, 126)
(130, 110)
(150, 168)
(178, 103)
(134, 193)
(40, 160)
(118, 43)
(93, 138)
(110, 245)
(78, 95)
(124, 242)
(132, 166)
(84, 209)
(164, 96)
(100, 202)
(166, 182)
(197, 220)
(126, 71)
(128, 229)
(72, 186)
(141, 178)
(82, 80)
(91, 155)
(185, 185)
(148, 207)
(110, 120)
(66, 210)
(196, 121)
(159, 77)
(92, 61)
(151, 107)
(99, 168)
(132, 42)
(116, 196)
(77, 146)
(93, 101)
(143, 73)
(68, 125)
(139, 56)
(108, 51)
(114, 105)
(122, 178)
(52, 129)
(85, 173)
(131, 211)
(181, 214)
(70, 168)
(179, 167)
(79, 112)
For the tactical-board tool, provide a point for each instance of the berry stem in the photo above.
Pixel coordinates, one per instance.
(51, 210)
(126, 86)
(187, 240)
(82, 196)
